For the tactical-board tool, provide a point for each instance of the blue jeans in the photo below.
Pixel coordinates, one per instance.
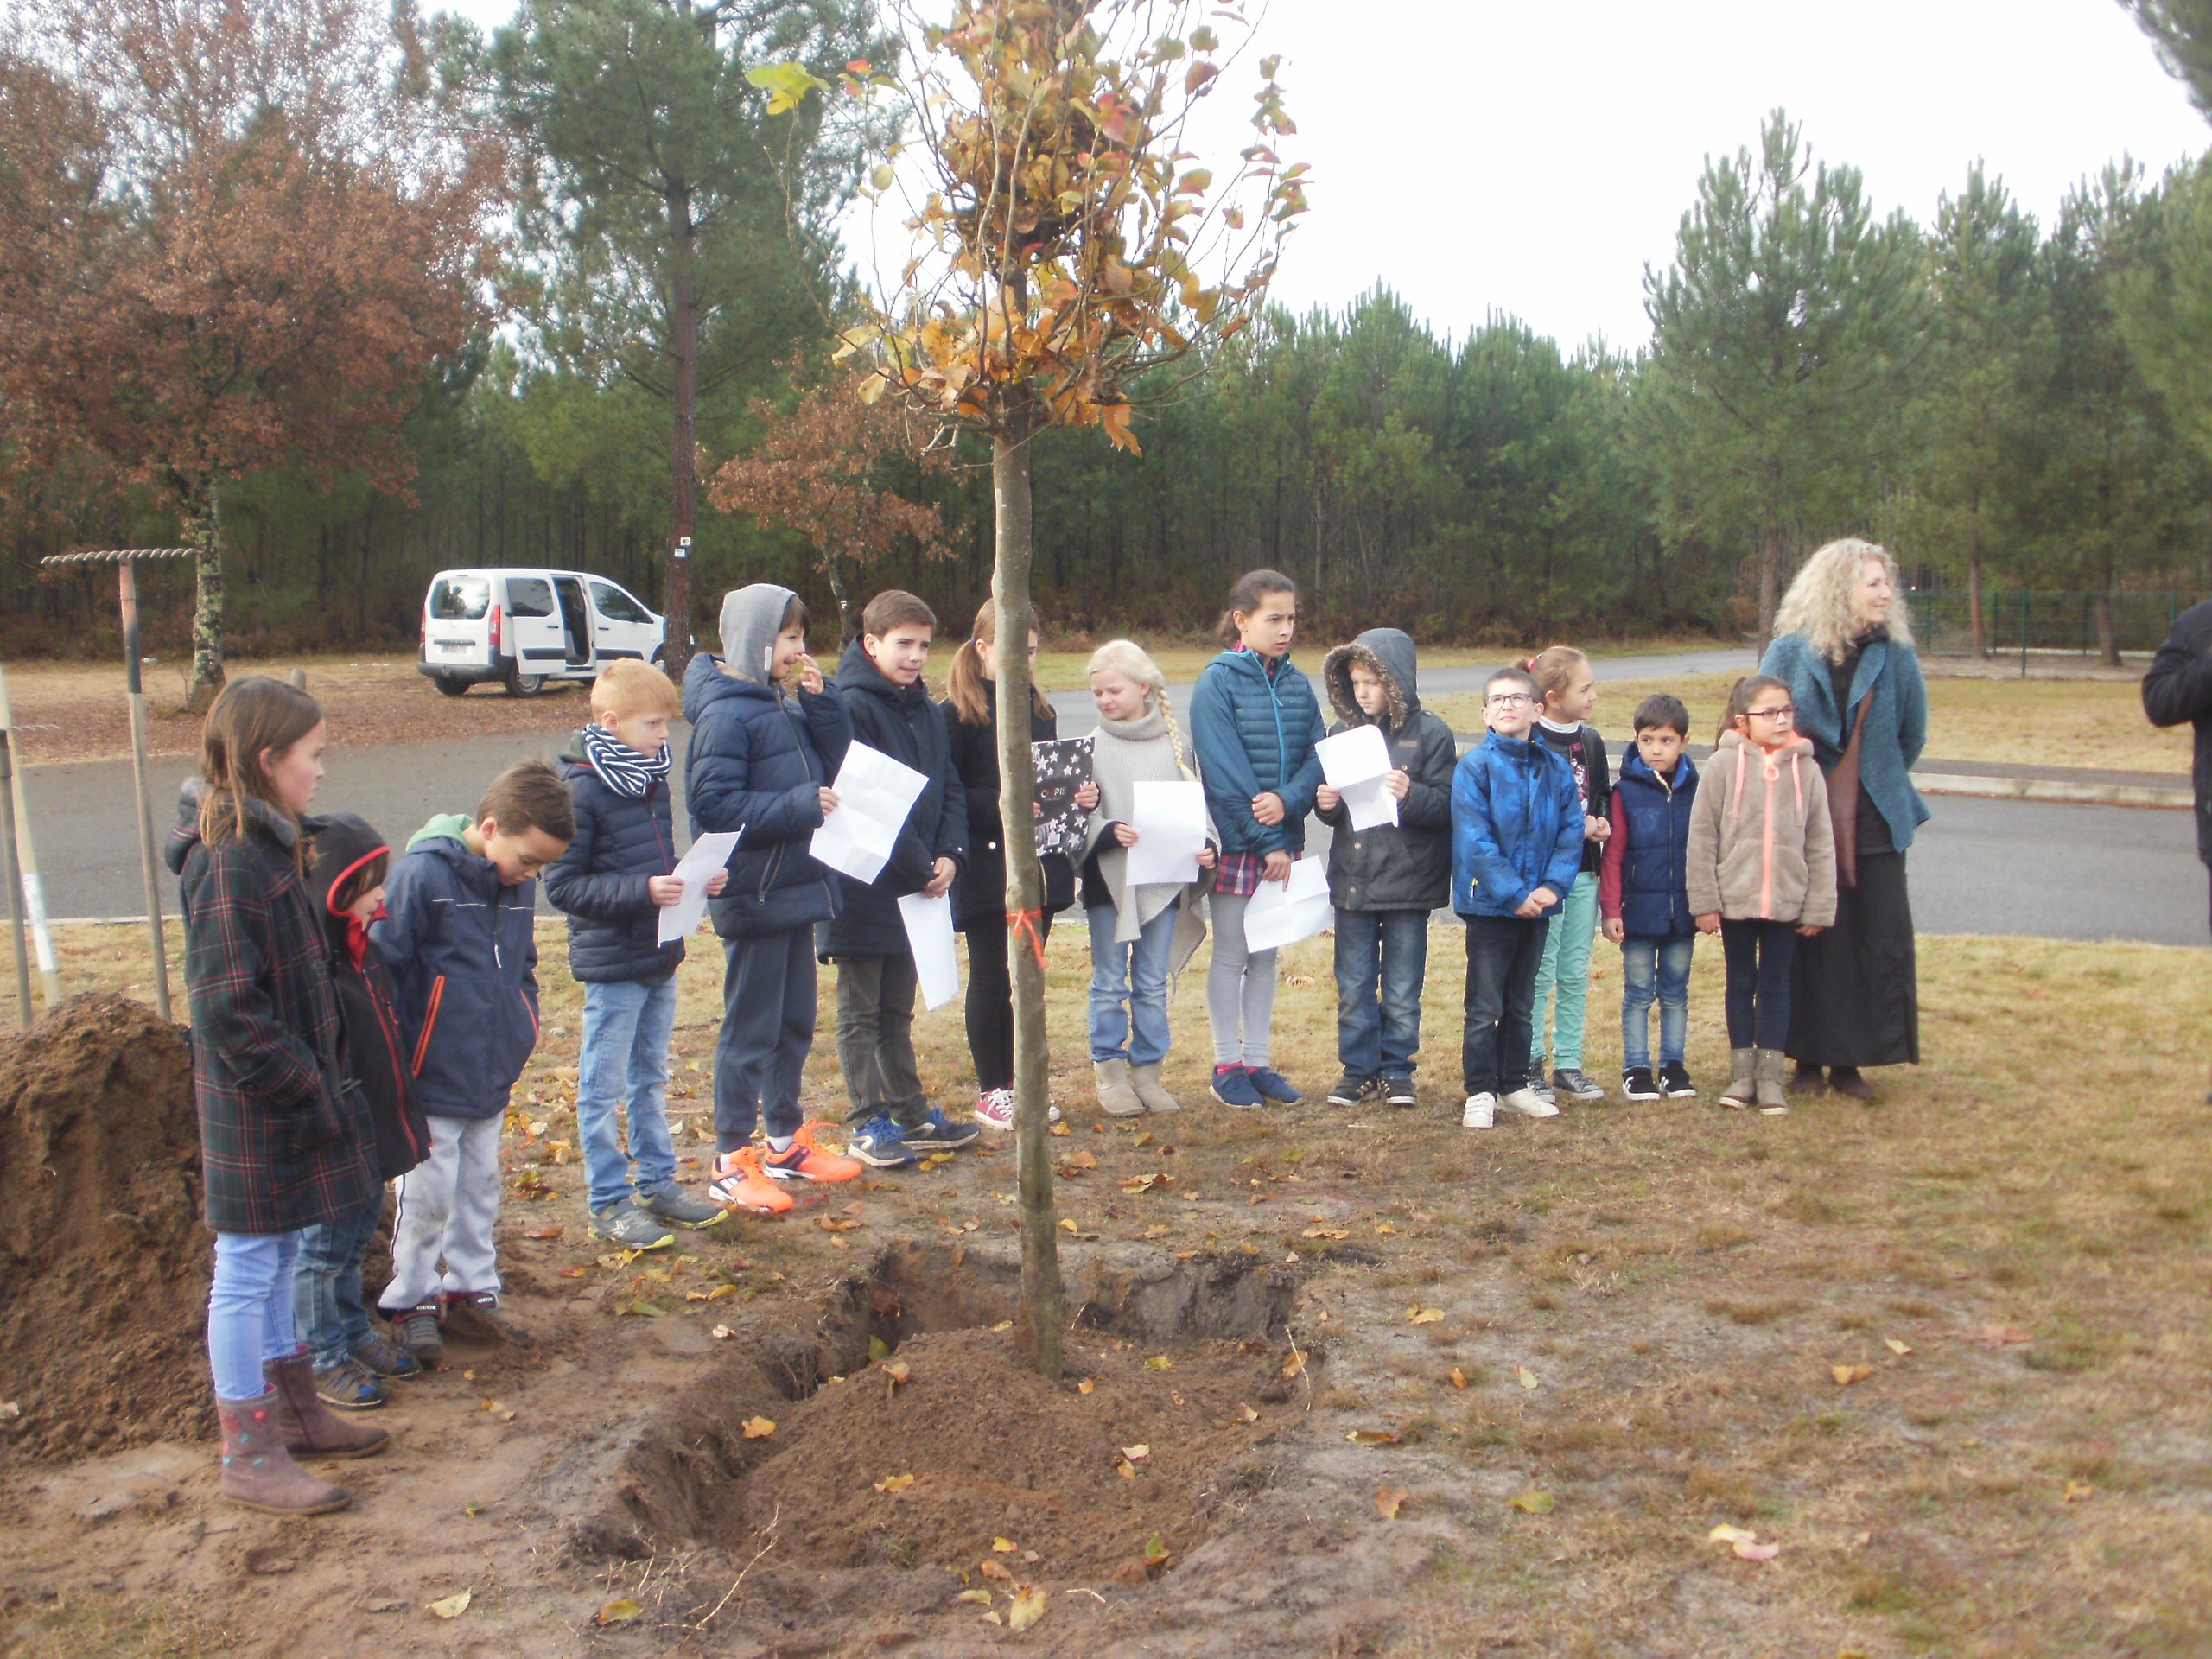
(626, 1029)
(327, 1306)
(249, 1310)
(1658, 968)
(1128, 988)
(1382, 955)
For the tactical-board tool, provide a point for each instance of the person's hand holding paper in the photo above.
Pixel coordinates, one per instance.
(1357, 762)
(1171, 826)
(1282, 913)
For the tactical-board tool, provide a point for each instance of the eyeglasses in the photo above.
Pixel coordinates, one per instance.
(1508, 700)
(1787, 711)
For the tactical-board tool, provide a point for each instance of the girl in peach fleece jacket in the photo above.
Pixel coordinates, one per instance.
(1762, 871)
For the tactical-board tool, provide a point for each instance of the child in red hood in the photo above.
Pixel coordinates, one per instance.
(351, 1359)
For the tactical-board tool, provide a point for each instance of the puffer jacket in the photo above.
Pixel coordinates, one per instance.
(1255, 732)
(375, 1057)
(758, 762)
(902, 722)
(1643, 882)
(1760, 845)
(1517, 826)
(600, 883)
(1406, 865)
(980, 894)
(283, 1143)
(2177, 688)
(462, 948)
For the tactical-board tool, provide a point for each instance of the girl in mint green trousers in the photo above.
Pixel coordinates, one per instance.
(1570, 693)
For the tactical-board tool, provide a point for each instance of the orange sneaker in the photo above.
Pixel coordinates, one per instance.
(740, 1184)
(803, 1161)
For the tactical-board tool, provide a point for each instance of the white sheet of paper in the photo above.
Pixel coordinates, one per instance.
(1279, 915)
(1353, 756)
(929, 934)
(709, 853)
(875, 795)
(1170, 820)
(1370, 804)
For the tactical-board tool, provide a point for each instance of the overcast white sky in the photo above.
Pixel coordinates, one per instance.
(1483, 157)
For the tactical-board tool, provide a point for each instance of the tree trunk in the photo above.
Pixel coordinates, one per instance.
(1974, 618)
(2107, 645)
(1039, 1319)
(683, 444)
(834, 568)
(203, 534)
(1769, 586)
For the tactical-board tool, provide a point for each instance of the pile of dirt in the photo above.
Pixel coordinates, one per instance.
(104, 1259)
(1076, 1481)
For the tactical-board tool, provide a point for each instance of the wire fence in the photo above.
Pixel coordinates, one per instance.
(2022, 622)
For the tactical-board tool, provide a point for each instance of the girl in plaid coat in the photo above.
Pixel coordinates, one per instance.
(285, 1141)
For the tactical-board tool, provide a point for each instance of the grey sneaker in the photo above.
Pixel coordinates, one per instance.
(1572, 1083)
(623, 1224)
(416, 1329)
(679, 1209)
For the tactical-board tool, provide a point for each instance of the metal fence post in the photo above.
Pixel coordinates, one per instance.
(14, 881)
(2024, 633)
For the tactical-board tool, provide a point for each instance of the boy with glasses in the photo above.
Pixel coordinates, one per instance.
(1516, 846)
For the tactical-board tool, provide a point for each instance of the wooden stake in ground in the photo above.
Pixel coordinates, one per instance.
(1066, 256)
(13, 878)
(28, 891)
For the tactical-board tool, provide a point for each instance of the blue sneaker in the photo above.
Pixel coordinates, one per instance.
(348, 1386)
(1232, 1086)
(1273, 1085)
(937, 1133)
(881, 1146)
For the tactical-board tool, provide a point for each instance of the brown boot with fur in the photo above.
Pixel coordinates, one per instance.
(257, 1472)
(310, 1428)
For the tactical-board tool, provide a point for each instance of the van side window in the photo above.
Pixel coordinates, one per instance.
(459, 599)
(615, 605)
(529, 596)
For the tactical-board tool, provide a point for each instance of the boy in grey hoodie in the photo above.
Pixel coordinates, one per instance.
(1385, 881)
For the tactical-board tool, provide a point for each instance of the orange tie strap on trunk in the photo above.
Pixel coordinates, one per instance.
(1027, 926)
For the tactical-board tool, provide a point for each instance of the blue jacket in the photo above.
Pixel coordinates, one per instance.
(463, 954)
(1517, 826)
(1254, 732)
(1644, 880)
(901, 721)
(758, 761)
(1888, 681)
(622, 842)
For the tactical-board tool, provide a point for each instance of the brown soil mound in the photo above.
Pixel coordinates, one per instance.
(997, 1452)
(104, 1260)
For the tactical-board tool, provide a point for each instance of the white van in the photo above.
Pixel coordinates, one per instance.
(524, 627)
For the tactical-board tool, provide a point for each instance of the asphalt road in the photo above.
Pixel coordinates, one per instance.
(1980, 867)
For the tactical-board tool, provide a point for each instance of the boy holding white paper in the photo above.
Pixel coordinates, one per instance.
(767, 738)
(879, 680)
(613, 883)
(1384, 879)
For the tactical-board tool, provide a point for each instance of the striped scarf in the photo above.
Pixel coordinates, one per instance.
(621, 768)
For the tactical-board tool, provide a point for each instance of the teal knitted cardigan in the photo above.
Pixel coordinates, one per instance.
(1888, 681)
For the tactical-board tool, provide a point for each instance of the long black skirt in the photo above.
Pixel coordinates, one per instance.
(1854, 991)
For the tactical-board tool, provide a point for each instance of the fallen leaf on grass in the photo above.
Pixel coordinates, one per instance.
(1058, 1128)
(474, 1507)
(546, 1232)
(1330, 1232)
(1066, 1225)
(981, 1596)
(1896, 1347)
(1125, 1469)
(1003, 1325)
(1724, 1533)
(1028, 1607)
(1151, 1183)
(1458, 1378)
(1085, 1386)
(838, 1223)
(1384, 1227)
(1144, 1139)
(2078, 1490)
(1160, 1362)
(997, 1570)
(1847, 1375)
(759, 1428)
(936, 1160)
(1524, 1376)
(896, 1372)
(1155, 1550)
(452, 1606)
(1136, 1453)
(722, 1333)
(11, 1409)
(721, 1291)
(1294, 1365)
(1997, 1336)
(1425, 1316)
(617, 1611)
(1004, 1546)
(1755, 1552)
(573, 1273)
(1534, 1502)
(649, 1309)
(1374, 1437)
(1078, 1160)
(1389, 1501)
(894, 1485)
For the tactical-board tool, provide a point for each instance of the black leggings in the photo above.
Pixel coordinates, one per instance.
(990, 1001)
(1758, 956)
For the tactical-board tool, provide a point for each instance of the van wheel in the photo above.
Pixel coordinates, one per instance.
(450, 686)
(520, 684)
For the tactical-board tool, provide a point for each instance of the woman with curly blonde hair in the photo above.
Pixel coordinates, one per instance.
(1844, 648)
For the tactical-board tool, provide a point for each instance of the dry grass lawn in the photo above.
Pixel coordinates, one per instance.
(1646, 1305)
(2094, 723)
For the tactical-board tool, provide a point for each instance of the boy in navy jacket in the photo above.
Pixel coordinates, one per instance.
(1516, 846)
(766, 739)
(458, 933)
(1644, 895)
(880, 681)
(612, 882)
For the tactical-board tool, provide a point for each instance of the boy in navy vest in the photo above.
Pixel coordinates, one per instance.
(1644, 896)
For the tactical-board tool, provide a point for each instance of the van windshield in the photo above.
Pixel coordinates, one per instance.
(459, 599)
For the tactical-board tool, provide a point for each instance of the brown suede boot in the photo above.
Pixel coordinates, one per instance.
(310, 1428)
(257, 1472)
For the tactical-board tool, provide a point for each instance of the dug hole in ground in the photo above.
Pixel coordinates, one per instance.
(1337, 1383)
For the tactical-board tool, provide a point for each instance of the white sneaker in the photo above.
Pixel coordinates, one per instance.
(1528, 1104)
(1481, 1111)
(994, 1109)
